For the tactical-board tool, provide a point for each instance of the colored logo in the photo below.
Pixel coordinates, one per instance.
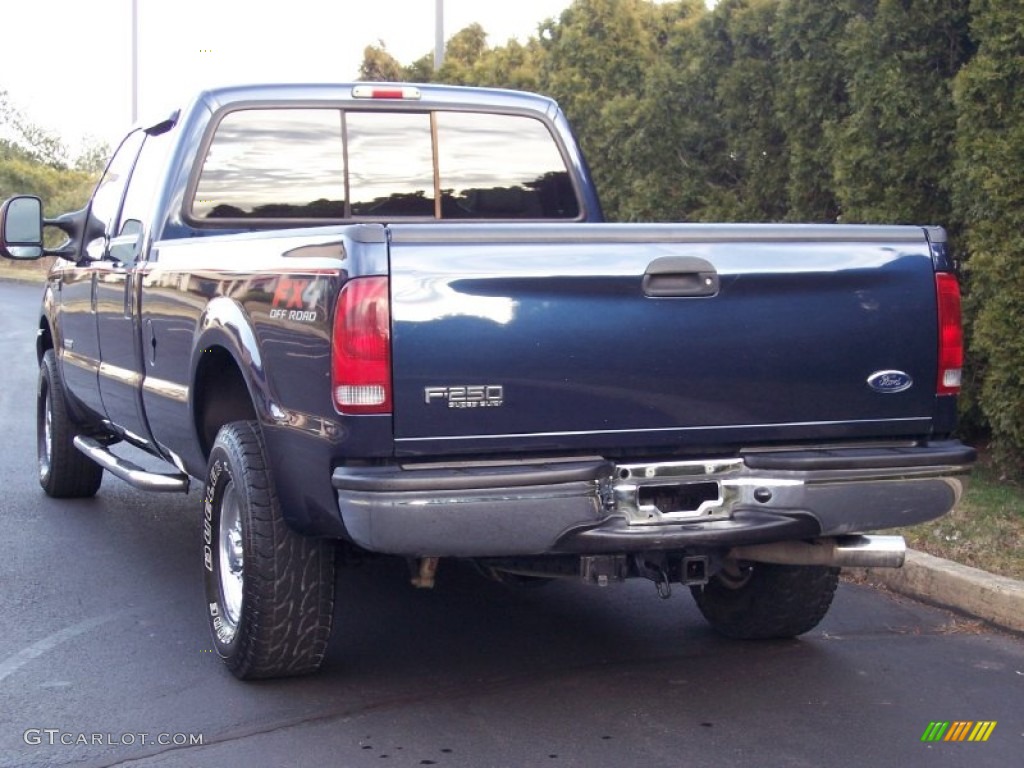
(959, 730)
(889, 382)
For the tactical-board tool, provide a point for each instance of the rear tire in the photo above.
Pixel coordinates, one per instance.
(766, 601)
(64, 471)
(269, 590)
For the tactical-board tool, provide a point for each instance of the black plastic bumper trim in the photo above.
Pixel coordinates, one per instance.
(395, 479)
(945, 453)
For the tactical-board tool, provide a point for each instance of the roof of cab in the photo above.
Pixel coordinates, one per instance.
(430, 96)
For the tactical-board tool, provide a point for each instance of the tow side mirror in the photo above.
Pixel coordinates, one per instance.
(21, 228)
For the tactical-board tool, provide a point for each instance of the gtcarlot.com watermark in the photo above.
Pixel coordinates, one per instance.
(53, 737)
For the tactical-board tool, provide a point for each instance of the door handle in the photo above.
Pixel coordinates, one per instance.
(680, 277)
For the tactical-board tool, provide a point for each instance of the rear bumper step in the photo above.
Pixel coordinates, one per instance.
(596, 507)
(131, 473)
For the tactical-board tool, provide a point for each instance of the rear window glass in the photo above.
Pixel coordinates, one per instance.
(501, 166)
(391, 166)
(329, 164)
(271, 164)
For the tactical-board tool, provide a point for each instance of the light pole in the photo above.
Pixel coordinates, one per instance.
(438, 34)
(135, 61)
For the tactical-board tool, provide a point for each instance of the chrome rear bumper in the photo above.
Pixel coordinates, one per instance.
(597, 507)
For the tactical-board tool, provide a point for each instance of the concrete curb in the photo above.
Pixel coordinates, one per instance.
(996, 599)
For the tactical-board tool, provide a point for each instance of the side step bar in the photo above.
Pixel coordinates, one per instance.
(131, 473)
(842, 552)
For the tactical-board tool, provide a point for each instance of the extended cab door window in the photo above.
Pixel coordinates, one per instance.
(140, 200)
(106, 200)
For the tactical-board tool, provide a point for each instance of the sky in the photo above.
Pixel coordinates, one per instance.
(66, 64)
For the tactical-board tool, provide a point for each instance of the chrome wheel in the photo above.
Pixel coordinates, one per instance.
(231, 557)
(45, 433)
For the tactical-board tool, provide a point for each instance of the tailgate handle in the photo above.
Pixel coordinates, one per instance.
(680, 276)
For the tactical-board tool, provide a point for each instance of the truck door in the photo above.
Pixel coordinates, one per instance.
(122, 364)
(79, 332)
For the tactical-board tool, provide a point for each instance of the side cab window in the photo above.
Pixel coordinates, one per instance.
(106, 199)
(138, 210)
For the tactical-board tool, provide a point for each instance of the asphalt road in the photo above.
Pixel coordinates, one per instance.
(104, 650)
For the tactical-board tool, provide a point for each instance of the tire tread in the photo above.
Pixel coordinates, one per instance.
(72, 474)
(288, 598)
(779, 601)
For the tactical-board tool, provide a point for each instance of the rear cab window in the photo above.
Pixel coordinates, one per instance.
(283, 164)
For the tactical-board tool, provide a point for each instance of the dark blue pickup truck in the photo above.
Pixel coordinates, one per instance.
(389, 318)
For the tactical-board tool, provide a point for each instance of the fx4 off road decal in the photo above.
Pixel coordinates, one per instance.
(296, 299)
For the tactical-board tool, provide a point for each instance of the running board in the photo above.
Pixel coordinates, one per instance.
(131, 473)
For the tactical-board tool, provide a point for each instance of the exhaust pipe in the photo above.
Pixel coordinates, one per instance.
(842, 552)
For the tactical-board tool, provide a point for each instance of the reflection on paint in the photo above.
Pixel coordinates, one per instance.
(422, 301)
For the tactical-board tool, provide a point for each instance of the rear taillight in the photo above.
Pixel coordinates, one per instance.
(951, 335)
(361, 348)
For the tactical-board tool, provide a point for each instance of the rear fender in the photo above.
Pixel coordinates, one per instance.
(224, 327)
(225, 324)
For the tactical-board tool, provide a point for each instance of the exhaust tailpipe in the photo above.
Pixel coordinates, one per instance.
(841, 551)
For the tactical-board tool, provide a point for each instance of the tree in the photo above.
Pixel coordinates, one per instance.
(40, 144)
(34, 161)
(462, 52)
(707, 144)
(678, 143)
(595, 64)
(894, 147)
(810, 100)
(989, 194)
(93, 157)
(379, 66)
(421, 70)
(512, 65)
(756, 156)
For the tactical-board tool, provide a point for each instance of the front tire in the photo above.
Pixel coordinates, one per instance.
(269, 590)
(64, 471)
(763, 601)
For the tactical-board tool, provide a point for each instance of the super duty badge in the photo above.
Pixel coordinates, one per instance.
(474, 396)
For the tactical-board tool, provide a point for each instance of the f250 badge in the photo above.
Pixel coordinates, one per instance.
(473, 396)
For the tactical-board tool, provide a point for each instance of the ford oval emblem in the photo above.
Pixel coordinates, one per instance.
(889, 382)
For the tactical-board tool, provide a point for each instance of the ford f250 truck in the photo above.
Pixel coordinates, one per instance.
(389, 317)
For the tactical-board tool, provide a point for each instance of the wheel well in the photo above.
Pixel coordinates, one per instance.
(221, 396)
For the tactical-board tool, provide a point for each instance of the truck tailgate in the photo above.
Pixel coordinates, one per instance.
(600, 337)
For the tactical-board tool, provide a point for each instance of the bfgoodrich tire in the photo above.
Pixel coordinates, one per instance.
(64, 471)
(269, 590)
(765, 601)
